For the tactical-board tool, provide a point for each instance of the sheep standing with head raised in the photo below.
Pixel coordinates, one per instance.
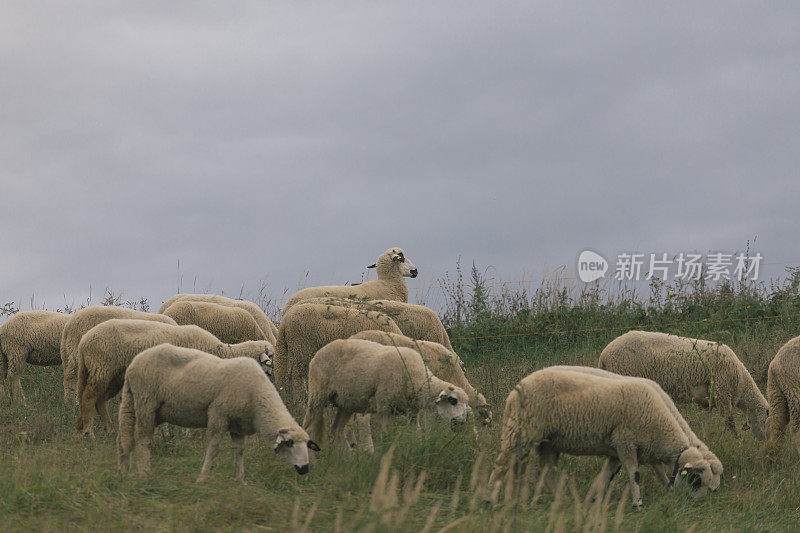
(705, 370)
(229, 324)
(77, 326)
(264, 323)
(551, 412)
(307, 327)
(444, 364)
(108, 348)
(32, 337)
(783, 393)
(194, 389)
(392, 266)
(713, 460)
(360, 377)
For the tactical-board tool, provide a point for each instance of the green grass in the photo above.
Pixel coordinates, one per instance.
(50, 478)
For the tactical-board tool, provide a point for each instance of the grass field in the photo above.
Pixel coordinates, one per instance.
(52, 479)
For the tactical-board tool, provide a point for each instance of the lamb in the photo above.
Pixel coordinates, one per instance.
(266, 325)
(108, 348)
(713, 460)
(191, 388)
(392, 266)
(699, 367)
(81, 322)
(415, 321)
(308, 327)
(230, 324)
(552, 412)
(29, 337)
(444, 364)
(359, 376)
(783, 392)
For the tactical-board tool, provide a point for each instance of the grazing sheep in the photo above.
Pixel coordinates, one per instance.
(108, 348)
(392, 266)
(698, 367)
(552, 412)
(444, 364)
(415, 321)
(359, 376)
(77, 326)
(308, 327)
(266, 325)
(194, 389)
(713, 460)
(230, 324)
(783, 392)
(29, 337)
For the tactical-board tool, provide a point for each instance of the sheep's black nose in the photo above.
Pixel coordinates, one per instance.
(301, 469)
(414, 273)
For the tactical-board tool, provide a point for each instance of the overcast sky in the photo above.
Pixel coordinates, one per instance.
(259, 141)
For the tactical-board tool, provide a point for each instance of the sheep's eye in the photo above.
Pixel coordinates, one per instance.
(452, 400)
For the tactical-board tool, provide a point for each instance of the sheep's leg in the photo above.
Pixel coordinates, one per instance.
(603, 480)
(238, 457)
(144, 427)
(627, 457)
(363, 433)
(70, 379)
(17, 357)
(127, 422)
(339, 423)
(548, 458)
(214, 439)
(794, 420)
(658, 470)
(102, 410)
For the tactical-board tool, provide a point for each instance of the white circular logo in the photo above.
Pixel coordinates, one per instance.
(591, 266)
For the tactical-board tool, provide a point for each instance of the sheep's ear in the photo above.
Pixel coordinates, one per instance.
(373, 265)
(313, 446)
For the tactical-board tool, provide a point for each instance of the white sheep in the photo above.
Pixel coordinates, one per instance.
(415, 321)
(703, 369)
(230, 324)
(306, 328)
(713, 460)
(108, 348)
(444, 364)
(32, 337)
(266, 325)
(552, 412)
(783, 393)
(360, 377)
(77, 326)
(194, 389)
(392, 266)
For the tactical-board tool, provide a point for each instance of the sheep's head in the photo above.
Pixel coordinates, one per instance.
(292, 446)
(265, 360)
(394, 261)
(484, 409)
(453, 404)
(757, 422)
(695, 472)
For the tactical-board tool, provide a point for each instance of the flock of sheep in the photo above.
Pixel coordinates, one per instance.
(205, 361)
